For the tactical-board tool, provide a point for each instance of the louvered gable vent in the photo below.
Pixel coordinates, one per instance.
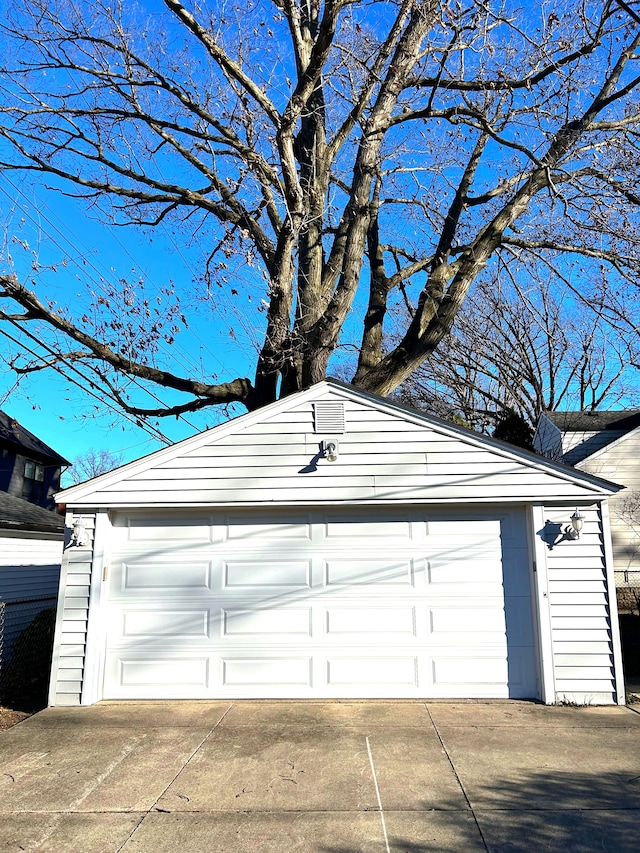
(328, 416)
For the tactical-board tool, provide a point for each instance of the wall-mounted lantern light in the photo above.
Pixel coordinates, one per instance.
(79, 536)
(330, 450)
(577, 523)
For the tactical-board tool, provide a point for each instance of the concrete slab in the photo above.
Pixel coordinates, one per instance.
(560, 831)
(553, 768)
(66, 833)
(531, 714)
(64, 767)
(289, 768)
(343, 713)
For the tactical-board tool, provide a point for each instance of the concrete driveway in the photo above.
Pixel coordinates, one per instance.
(321, 777)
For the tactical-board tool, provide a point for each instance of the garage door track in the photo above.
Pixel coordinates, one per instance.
(321, 777)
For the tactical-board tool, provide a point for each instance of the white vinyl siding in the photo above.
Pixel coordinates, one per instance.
(29, 566)
(580, 613)
(29, 579)
(384, 457)
(621, 464)
(73, 615)
(321, 604)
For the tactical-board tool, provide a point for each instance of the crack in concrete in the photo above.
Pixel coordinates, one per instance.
(458, 779)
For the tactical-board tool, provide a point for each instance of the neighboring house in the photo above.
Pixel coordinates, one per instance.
(29, 469)
(30, 555)
(606, 444)
(336, 544)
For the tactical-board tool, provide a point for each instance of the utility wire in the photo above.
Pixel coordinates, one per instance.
(101, 286)
(151, 430)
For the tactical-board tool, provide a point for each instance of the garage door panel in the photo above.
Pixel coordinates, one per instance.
(268, 623)
(163, 673)
(468, 669)
(173, 624)
(373, 671)
(370, 571)
(168, 528)
(160, 576)
(465, 569)
(446, 623)
(275, 672)
(266, 572)
(341, 622)
(249, 532)
(377, 527)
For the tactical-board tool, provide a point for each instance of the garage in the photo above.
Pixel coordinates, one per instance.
(337, 545)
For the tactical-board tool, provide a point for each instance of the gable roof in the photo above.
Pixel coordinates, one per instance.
(17, 514)
(14, 434)
(388, 453)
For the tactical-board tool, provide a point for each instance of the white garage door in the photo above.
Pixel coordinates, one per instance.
(320, 604)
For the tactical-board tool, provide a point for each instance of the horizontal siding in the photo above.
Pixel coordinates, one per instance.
(382, 457)
(73, 618)
(579, 607)
(621, 464)
(29, 568)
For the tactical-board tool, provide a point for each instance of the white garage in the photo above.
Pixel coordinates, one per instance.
(337, 545)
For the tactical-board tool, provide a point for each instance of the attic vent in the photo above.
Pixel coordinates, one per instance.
(328, 417)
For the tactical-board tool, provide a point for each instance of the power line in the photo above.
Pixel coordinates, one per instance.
(151, 430)
(99, 284)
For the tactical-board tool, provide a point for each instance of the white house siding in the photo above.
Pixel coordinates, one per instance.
(580, 609)
(384, 457)
(621, 463)
(29, 566)
(29, 578)
(73, 616)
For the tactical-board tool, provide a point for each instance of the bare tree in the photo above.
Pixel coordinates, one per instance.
(92, 463)
(522, 345)
(353, 156)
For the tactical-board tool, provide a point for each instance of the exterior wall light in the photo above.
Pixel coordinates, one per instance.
(79, 536)
(577, 522)
(330, 450)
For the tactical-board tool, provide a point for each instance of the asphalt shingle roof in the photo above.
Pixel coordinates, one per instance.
(16, 514)
(585, 421)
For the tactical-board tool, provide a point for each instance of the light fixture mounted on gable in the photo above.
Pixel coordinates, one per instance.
(330, 450)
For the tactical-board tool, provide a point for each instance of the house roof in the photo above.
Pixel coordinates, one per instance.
(586, 421)
(13, 433)
(388, 453)
(598, 430)
(16, 514)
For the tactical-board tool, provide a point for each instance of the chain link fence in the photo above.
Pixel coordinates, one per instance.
(26, 645)
(628, 577)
